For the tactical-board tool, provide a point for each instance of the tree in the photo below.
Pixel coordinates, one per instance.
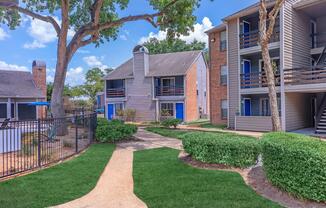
(94, 21)
(67, 91)
(94, 83)
(156, 46)
(265, 34)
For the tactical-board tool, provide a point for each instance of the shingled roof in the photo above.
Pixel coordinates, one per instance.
(18, 84)
(169, 64)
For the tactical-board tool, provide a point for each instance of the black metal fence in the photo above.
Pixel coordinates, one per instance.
(26, 145)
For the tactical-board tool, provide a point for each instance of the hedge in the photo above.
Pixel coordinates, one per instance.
(171, 122)
(296, 164)
(222, 148)
(112, 131)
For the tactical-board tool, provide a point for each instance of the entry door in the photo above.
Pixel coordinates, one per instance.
(247, 107)
(179, 111)
(246, 35)
(246, 69)
(110, 111)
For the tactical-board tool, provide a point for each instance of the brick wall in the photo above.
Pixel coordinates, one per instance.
(39, 77)
(217, 91)
(191, 94)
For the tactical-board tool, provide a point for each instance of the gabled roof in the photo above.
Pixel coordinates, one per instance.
(169, 64)
(18, 84)
(220, 27)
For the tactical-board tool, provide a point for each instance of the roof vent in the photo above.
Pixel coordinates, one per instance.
(140, 49)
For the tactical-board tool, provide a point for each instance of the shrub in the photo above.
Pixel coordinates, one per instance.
(171, 122)
(130, 114)
(296, 163)
(222, 148)
(114, 130)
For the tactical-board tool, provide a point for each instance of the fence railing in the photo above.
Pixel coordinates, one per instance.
(115, 92)
(257, 79)
(169, 91)
(251, 39)
(26, 145)
(305, 75)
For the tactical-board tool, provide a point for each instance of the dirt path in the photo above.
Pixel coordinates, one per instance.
(115, 186)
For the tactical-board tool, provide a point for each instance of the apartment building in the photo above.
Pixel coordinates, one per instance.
(297, 49)
(218, 71)
(159, 86)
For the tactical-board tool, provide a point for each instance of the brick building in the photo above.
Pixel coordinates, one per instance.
(218, 74)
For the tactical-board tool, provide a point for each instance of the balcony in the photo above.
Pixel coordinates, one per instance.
(257, 79)
(251, 39)
(169, 91)
(318, 40)
(305, 75)
(115, 92)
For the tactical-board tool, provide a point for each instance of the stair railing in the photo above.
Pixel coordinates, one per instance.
(320, 111)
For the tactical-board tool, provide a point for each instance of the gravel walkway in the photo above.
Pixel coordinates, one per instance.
(115, 186)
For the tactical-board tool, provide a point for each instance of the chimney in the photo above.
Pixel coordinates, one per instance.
(141, 60)
(39, 75)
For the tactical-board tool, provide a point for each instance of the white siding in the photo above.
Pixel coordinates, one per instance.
(254, 123)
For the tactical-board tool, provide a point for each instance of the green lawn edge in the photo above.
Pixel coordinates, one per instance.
(161, 180)
(58, 184)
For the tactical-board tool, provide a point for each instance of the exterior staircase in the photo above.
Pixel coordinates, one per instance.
(321, 126)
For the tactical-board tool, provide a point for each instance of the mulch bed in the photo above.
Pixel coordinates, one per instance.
(256, 179)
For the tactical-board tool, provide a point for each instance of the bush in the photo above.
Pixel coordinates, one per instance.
(114, 130)
(222, 148)
(296, 163)
(171, 122)
(130, 114)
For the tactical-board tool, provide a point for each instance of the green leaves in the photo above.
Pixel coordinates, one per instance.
(296, 163)
(156, 46)
(222, 148)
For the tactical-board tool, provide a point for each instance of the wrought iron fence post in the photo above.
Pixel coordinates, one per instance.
(39, 142)
(76, 133)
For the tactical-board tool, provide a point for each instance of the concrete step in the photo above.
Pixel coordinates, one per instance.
(321, 131)
(321, 127)
(322, 124)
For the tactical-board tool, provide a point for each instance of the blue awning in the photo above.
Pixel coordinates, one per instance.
(39, 104)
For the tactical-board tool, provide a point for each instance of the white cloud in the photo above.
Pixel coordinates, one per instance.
(42, 33)
(49, 78)
(14, 67)
(75, 76)
(83, 51)
(3, 34)
(198, 33)
(123, 37)
(93, 61)
(34, 44)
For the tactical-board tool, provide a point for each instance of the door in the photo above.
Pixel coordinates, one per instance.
(246, 70)
(313, 110)
(110, 111)
(26, 111)
(246, 34)
(247, 107)
(179, 111)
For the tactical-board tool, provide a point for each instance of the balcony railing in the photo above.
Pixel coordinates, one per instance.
(115, 92)
(257, 79)
(305, 75)
(319, 40)
(251, 39)
(169, 91)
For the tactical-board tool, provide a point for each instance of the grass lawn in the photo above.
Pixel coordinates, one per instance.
(204, 123)
(172, 133)
(162, 181)
(58, 184)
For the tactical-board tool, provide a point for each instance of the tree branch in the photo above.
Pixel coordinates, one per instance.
(48, 19)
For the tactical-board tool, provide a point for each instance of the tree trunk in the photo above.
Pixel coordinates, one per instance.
(271, 87)
(57, 108)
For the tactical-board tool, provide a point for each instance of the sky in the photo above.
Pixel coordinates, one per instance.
(36, 40)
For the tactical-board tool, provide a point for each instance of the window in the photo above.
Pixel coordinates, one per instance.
(223, 43)
(167, 109)
(224, 75)
(118, 107)
(224, 109)
(13, 110)
(265, 110)
(3, 110)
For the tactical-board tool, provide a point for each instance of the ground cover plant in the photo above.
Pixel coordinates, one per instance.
(296, 163)
(113, 131)
(58, 184)
(161, 180)
(222, 148)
